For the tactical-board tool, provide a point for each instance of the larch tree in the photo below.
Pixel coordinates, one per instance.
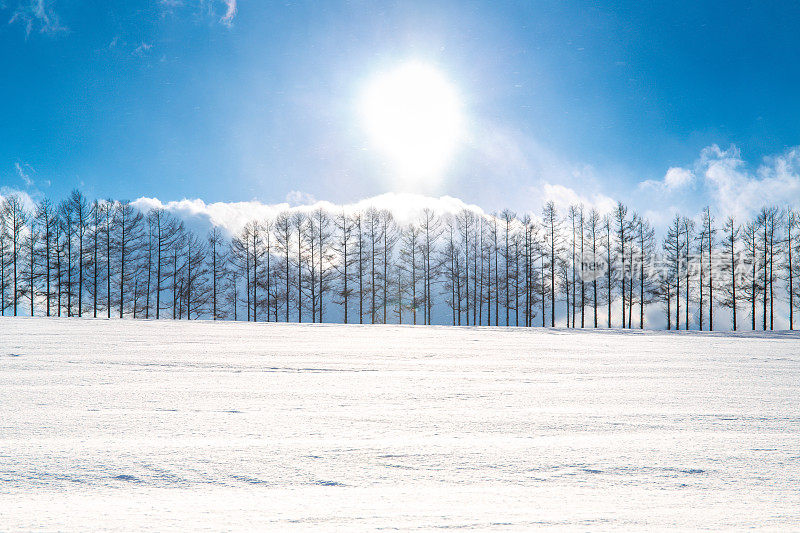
(81, 211)
(298, 221)
(730, 267)
(321, 222)
(750, 234)
(283, 242)
(552, 225)
(645, 235)
(15, 217)
(673, 254)
(410, 263)
(389, 240)
(792, 222)
(430, 229)
(622, 228)
(687, 228)
(30, 251)
(45, 218)
(127, 240)
(218, 270)
(608, 245)
(594, 237)
(343, 249)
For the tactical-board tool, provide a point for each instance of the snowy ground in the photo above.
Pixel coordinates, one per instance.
(176, 425)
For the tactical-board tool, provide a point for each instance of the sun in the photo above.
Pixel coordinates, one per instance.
(413, 116)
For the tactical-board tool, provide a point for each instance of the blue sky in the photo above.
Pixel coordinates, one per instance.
(251, 100)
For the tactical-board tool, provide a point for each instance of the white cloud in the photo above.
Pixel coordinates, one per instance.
(735, 190)
(142, 49)
(721, 178)
(564, 197)
(300, 198)
(37, 14)
(27, 201)
(676, 178)
(24, 171)
(230, 12)
(199, 215)
(206, 8)
(232, 217)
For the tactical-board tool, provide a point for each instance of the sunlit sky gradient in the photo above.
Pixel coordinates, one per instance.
(230, 101)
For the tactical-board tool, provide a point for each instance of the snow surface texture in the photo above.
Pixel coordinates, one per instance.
(175, 425)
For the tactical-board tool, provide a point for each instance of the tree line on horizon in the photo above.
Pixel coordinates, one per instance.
(108, 258)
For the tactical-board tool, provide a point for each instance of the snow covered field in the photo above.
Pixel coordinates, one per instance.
(177, 425)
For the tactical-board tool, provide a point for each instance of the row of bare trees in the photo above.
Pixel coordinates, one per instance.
(108, 258)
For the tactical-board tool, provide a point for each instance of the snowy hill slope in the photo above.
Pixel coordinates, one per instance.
(184, 425)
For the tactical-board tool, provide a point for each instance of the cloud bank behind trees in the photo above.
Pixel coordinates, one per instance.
(719, 178)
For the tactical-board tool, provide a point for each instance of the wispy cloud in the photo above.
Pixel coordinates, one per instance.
(207, 8)
(230, 12)
(300, 198)
(142, 49)
(37, 15)
(24, 171)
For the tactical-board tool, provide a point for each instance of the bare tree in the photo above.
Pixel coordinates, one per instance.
(177, 263)
(30, 253)
(4, 237)
(645, 235)
(374, 243)
(450, 255)
(750, 234)
(411, 265)
(687, 227)
(79, 207)
(389, 238)
(731, 235)
(195, 293)
(218, 270)
(241, 256)
(45, 220)
(299, 220)
(593, 229)
(96, 213)
(127, 242)
(582, 237)
(321, 224)
(165, 230)
(509, 255)
(344, 249)
(706, 256)
(15, 217)
(673, 247)
(283, 238)
(553, 242)
(430, 229)
(609, 246)
(768, 220)
(466, 223)
(361, 250)
(623, 226)
(792, 222)
(66, 221)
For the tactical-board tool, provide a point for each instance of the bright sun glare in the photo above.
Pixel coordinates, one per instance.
(413, 116)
